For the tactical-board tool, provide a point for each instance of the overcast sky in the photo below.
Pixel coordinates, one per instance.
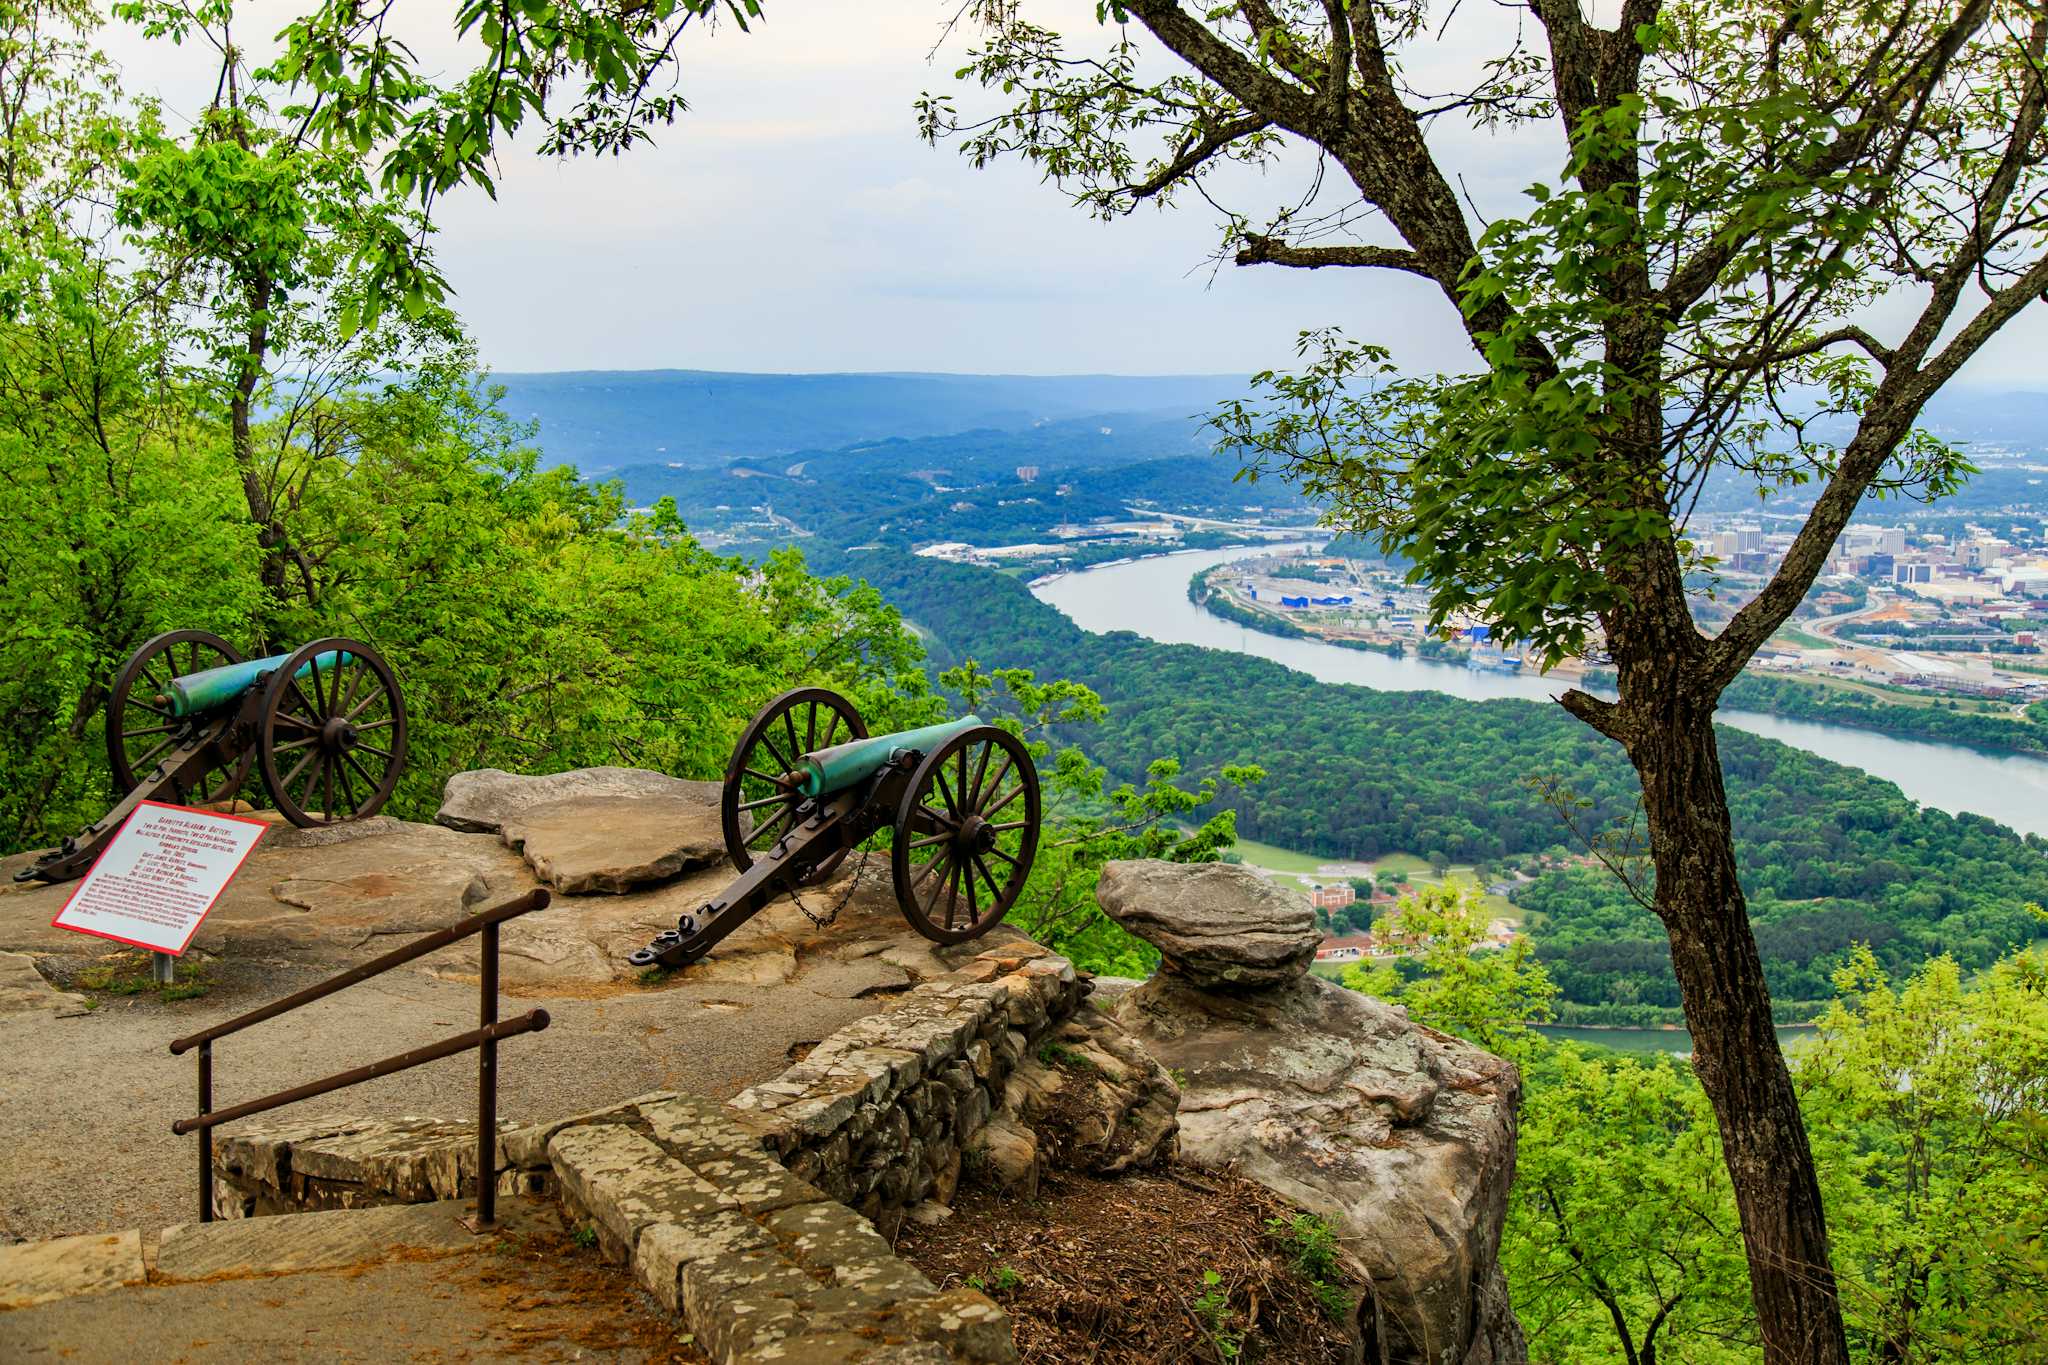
(794, 222)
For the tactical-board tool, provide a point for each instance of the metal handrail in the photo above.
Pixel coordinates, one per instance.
(484, 1038)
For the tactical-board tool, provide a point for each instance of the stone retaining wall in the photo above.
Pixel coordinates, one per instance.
(878, 1114)
(755, 1221)
(348, 1164)
(758, 1264)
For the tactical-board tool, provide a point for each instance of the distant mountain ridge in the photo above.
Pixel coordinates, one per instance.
(605, 420)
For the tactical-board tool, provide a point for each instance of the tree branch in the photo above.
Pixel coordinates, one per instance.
(1259, 250)
(1194, 154)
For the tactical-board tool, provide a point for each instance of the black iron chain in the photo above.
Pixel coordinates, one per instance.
(825, 921)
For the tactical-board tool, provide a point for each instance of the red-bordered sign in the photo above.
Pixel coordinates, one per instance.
(164, 870)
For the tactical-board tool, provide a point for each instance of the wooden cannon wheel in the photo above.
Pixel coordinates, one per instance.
(332, 744)
(762, 791)
(141, 729)
(966, 832)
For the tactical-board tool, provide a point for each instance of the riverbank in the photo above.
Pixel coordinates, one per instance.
(1673, 1040)
(1219, 603)
(1149, 598)
(1931, 720)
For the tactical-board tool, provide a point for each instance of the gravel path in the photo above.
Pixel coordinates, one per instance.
(85, 1143)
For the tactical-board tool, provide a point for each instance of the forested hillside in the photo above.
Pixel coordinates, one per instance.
(1831, 855)
(609, 419)
(982, 487)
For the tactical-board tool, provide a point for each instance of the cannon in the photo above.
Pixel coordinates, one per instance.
(188, 717)
(807, 785)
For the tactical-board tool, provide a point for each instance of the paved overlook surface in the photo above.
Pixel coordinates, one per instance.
(91, 1094)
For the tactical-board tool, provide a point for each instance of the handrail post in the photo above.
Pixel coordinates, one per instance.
(484, 1039)
(206, 1134)
(487, 1087)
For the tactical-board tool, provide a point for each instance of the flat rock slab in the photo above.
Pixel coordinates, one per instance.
(23, 990)
(309, 1241)
(580, 845)
(1220, 926)
(543, 1301)
(334, 897)
(43, 1272)
(481, 802)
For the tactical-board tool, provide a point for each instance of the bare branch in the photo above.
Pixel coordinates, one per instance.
(1261, 250)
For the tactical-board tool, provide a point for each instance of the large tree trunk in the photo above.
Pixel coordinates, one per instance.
(1735, 1049)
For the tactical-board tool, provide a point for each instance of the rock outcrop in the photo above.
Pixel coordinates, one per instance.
(594, 830)
(1094, 1099)
(483, 801)
(1402, 1136)
(1219, 926)
(22, 989)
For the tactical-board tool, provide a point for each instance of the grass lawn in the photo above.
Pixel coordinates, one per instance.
(1278, 859)
(1402, 865)
(1799, 639)
(1895, 696)
(1299, 869)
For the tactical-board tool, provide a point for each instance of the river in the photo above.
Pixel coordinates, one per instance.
(1149, 597)
(1791, 1037)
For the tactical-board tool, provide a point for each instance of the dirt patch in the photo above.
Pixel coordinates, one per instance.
(1177, 1265)
(546, 1290)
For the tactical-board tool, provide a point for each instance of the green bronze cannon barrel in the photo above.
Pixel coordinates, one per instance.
(213, 688)
(842, 765)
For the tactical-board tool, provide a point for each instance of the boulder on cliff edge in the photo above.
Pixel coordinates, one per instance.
(1402, 1136)
(1220, 926)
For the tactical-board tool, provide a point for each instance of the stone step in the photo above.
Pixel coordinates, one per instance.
(43, 1272)
(327, 1240)
(34, 1273)
(760, 1264)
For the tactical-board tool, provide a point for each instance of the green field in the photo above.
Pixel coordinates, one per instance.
(1278, 859)
(1299, 869)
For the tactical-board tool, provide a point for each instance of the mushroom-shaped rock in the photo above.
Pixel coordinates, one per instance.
(1220, 926)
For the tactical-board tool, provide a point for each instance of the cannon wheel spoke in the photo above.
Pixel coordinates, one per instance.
(769, 749)
(135, 719)
(943, 827)
(313, 743)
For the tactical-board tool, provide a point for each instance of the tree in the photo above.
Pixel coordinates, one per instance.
(1691, 298)
(1620, 1241)
(115, 516)
(195, 432)
(255, 235)
(1489, 997)
(1932, 1133)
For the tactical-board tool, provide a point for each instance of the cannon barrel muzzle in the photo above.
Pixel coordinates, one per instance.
(842, 765)
(212, 688)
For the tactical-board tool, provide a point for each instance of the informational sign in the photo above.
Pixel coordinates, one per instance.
(160, 875)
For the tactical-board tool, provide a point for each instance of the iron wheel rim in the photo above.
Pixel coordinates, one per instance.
(304, 758)
(140, 732)
(972, 811)
(757, 807)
